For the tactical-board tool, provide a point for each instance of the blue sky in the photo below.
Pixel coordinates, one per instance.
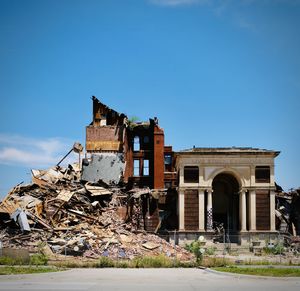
(215, 73)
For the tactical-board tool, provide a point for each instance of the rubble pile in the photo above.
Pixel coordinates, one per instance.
(61, 215)
(288, 211)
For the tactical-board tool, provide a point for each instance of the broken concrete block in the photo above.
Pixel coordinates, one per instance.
(150, 245)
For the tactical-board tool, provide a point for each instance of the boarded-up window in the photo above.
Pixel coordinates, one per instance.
(262, 174)
(262, 210)
(191, 210)
(191, 174)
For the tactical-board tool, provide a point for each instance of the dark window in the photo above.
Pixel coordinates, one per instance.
(262, 174)
(136, 167)
(146, 168)
(191, 174)
(146, 139)
(136, 143)
(168, 185)
(168, 163)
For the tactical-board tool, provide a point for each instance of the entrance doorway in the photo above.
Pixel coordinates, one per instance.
(226, 203)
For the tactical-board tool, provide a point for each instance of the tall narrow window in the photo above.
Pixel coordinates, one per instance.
(146, 168)
(191, 174)
(136, 143)
(168, 163)
(136, 167)
(262, 174)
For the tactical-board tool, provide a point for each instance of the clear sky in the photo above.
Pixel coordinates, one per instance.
(216, 74)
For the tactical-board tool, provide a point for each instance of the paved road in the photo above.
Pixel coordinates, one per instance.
(144, 280)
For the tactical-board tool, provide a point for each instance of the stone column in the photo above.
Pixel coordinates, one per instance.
(252, 210)
(181, 175)
(243, 210)
(209, 211)
(201, 210)
(181, 209)
(272, 211)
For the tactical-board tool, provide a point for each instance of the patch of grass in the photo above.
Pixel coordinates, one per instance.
(105, 262)
(38, 260)
(73, 264)
(215, 262)
(160, 261)
(152, 262)
(10, 270)
(274, 272)
(12, 261)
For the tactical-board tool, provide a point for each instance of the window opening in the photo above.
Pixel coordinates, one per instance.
(168, 163)
(136, 143)
(262, 174)
(146, 168)
(136, 167)
(191, 174)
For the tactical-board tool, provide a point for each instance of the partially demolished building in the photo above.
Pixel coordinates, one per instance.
(130, 185)
(122, 151)
(232, 187)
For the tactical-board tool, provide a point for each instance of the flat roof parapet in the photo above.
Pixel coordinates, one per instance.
(228, 150)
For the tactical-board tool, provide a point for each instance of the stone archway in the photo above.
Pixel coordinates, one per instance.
(225, 202)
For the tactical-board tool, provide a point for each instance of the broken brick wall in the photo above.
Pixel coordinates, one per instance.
(105, 138)
(158, 145)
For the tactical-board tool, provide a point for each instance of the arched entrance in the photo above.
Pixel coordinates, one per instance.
(225, 202)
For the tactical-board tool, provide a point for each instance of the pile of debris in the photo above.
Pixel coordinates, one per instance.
(288, 211)
(61, 215)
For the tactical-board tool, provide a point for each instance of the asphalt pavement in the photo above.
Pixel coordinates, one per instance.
(145, 279)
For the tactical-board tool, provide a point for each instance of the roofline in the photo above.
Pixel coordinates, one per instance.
(228, 151)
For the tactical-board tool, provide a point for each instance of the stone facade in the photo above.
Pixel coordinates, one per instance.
(235, 187)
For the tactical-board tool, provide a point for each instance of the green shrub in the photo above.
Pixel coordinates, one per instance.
(38, 259)
(195, 247)
(210, 251)
(278, 249)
